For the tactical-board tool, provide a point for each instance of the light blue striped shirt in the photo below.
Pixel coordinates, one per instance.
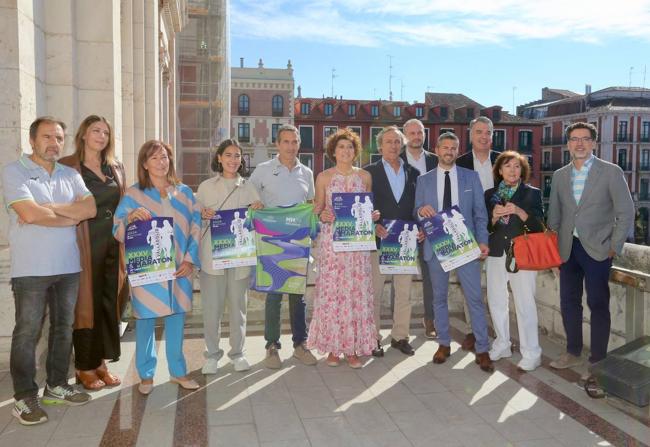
(578, 180)
(397, 179)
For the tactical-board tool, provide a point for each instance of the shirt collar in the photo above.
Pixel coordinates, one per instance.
(28, 163)
(410, 156)
(387, 165)
(451, 171)
(277, 165)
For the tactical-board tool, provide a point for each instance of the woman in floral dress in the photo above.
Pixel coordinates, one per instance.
(342, 321)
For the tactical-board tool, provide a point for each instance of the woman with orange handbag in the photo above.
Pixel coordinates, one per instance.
(513, 207)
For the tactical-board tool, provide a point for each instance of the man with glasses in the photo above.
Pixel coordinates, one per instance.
(592, 211)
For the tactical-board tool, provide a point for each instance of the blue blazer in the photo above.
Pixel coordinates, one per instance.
(470, 202)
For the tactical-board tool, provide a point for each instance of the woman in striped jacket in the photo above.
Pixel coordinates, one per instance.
(159, 193)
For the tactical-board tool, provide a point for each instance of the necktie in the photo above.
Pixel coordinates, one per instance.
(446, 198)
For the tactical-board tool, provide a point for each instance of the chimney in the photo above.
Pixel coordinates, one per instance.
(241, 62)
(299, 92)
(260, 64)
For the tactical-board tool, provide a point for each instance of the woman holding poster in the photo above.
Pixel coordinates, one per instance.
(512, 204)
(159, 194)
(103, 290)
(342, 321)
(225, 191)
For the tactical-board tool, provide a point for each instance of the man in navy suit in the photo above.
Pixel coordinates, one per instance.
(415, 155)
(393, 188)
(480, 159)
(439, 189)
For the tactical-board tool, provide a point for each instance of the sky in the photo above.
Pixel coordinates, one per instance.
(497, 52)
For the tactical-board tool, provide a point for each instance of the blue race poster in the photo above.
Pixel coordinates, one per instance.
(149, 250)
(399, 250)
(353, 229)
(283, 239)
(233, 244)
(452, 242)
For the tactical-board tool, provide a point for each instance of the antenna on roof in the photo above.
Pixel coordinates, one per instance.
(631, 70)
(390, 77)
(643, 85)
(333, 76)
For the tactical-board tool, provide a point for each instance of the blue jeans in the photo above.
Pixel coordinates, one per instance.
(297, 318)
(31, 294)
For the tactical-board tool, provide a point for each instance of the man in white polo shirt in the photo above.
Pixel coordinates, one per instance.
(45, 201)
(284, 181)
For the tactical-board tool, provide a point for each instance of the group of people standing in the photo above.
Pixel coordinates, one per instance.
(68, 222)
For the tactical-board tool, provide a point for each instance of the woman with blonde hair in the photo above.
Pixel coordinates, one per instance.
(103, 288)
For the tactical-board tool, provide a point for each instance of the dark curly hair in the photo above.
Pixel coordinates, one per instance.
(342, 134)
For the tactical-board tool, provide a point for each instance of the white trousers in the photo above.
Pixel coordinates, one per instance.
(522, 284)
(215, 290)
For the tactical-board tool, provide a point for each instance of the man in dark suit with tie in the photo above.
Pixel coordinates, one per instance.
(415, 155)
(480, 159)
(440, 189)
(393, 188)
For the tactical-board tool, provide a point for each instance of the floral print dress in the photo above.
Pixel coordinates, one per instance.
(342, 320)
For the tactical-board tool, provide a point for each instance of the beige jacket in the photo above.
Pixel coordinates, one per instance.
(211, 194)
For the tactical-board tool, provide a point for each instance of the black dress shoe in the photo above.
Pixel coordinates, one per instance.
(379, 352)
(403, 345)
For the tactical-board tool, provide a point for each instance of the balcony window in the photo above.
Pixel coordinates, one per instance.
(622, 159)
(397, 111)
(277, 105)
(444, 113)
(644, 191)
(645, 131)
(305, 108)
(306, 137)
(419, 112)
(328, 109)
(244, 132)
(645, 160)
(499, 139)
(566, 157)
(374, 110)
(525, 140)
(244, 103)
(274, 132)
(470, 113)
(496, 115)
(352, 109)
(327, 131)
(547, 186)
(546, 139)
(622, 131)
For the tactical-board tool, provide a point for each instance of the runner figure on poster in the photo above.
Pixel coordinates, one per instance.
(404, 240)
(237, 229)
(153, 239)
(166, 234)
(413, 242)
(368, 208)
(357, 211)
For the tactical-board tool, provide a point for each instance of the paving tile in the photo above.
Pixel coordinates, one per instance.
(479, 435)
(314, 402)
(369, 417)
(277, 422)
(423, 428)
(73, 441)
(388, 439)
(84, 421)
(399, 398)
(331, 432)
(243, 435)
(449, 409)
(570, 433)
(509, 423)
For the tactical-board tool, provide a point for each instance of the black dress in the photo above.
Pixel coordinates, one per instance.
(103, 340)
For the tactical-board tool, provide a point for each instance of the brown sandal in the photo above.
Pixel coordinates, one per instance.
(107, 377)
(89, 380)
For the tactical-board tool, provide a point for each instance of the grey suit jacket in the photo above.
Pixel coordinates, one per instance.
(603, 217)
(470, 202)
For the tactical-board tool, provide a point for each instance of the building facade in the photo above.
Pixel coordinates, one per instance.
(622, 117)
(73, 58)
(317, 118)
(262, 101)
(204, 88)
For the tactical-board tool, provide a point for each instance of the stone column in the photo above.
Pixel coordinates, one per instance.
(129, 146)
(139, 111)
(151, 70)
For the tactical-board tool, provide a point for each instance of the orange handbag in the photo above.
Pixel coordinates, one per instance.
(533, 251)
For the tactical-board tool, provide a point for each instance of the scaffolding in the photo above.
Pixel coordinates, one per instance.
(204, 87)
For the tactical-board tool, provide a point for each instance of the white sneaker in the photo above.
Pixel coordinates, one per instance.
(210, 367)
(529, 364)
(496, 354)
(241, 364)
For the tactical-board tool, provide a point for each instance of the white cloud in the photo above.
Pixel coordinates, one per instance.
(373, 23)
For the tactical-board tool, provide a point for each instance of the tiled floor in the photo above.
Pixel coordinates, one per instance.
(394, 401)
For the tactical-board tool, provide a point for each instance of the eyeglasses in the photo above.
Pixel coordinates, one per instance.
(582, 139)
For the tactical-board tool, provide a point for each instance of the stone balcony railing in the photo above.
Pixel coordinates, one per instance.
(629, 284)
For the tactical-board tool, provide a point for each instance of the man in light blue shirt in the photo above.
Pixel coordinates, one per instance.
(284, 181)
(46, 201)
